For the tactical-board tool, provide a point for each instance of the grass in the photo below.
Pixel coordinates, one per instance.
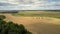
(36, 25)
(38, 14)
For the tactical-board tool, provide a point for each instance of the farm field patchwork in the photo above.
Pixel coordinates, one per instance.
(38, 14)
(42, 23)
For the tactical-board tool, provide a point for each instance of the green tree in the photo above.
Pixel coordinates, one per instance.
(11, 27)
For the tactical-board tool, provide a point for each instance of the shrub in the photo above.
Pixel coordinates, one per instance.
(2, 17)
(11, 28)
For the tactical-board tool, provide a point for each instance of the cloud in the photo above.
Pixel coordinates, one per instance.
(9, 1)
(30, 4)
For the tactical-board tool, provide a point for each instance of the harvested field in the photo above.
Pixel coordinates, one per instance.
(37, 25)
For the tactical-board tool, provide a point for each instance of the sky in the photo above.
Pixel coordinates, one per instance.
(29, 4)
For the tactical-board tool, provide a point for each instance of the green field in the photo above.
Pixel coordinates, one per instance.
(55, 14)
